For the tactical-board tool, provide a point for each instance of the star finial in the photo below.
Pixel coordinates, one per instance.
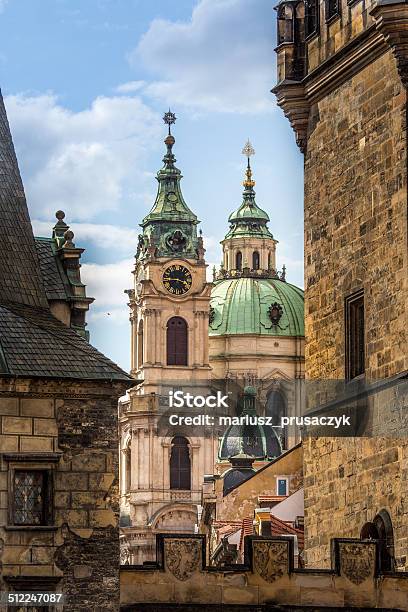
(248, 151)
(169, 118)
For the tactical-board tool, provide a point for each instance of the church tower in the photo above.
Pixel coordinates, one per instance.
(170, 301)
(170, 305)
(256, 325)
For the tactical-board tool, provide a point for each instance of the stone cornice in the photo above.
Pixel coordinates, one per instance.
(291, 97)
(353, 57)
(296, 97)
(391, 19)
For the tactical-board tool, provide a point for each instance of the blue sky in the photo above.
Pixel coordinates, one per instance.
(85, 85)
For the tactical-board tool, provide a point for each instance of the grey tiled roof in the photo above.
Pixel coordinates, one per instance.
(51, 270)
(34, 343)
(20, 277)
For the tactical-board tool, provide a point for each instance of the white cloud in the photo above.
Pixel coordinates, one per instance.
(82, 162)
(122, 239)
(221, 60)
(130, 87)
(107, 283)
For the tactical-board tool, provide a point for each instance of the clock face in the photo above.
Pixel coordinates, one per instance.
(177, 279)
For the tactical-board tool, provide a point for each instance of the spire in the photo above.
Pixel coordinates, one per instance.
(248, 183)
(170, 224)
(20, 278)
(248, 219)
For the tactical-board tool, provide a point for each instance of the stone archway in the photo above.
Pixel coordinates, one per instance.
(381, 529)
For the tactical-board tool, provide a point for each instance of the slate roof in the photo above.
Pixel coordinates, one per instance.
(33, 343)
(53, 275)
(20, 278)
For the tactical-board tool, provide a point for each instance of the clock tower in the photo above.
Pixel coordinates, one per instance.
(170, 302)
(161, 474)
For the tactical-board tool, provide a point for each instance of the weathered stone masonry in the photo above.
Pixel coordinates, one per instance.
(70, 426)
(348, 110)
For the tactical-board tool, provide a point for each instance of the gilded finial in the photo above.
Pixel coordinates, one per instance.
(248, 151)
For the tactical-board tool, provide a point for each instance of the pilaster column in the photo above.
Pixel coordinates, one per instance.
(134, 460)
(133, 356)
(159, 358)
(195, 466)
(149, 338)
(166, 446)
(205, 338)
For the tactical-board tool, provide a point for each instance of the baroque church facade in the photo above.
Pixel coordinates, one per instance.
(244, 328)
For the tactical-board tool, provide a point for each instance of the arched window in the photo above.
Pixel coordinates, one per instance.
(140, 345)
(177, 341)
(269, 260)
(255, 260)
(180, 464)
(238, 261)
(276, 408)
(381, 529)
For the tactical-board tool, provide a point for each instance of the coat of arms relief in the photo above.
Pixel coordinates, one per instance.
(357, 561)
(182, 557)
(270, 559)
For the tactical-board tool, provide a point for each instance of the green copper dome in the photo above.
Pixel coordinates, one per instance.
(247, 438)
(265, 306)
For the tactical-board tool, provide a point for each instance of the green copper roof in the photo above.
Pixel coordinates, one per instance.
(169, 204)
(240, 306)
(170, 228)
(248, 219)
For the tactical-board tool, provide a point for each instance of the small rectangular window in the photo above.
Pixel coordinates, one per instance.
(30, 498)
(332, 9)
(355, 336)
(282, 486)
(311, 17)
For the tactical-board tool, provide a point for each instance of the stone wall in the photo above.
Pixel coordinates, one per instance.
(356, 237)
(356, 221)
(180, 576)
(70, 428)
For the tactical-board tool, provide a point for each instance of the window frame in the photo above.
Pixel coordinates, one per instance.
(177, 355)
(187, 447)
(335, 14)
(286, 479)
(315, 31)
(35, 463)
(351, 305)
